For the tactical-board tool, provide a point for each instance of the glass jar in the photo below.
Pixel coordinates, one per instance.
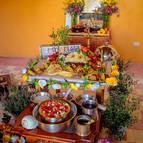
(106, 21)
(74, 19)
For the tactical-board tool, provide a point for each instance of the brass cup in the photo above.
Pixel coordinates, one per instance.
(82, 124)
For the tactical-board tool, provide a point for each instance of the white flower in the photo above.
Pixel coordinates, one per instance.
(77, 85)
(56, 86)
(42, 83)
(95, 86)
(24, 71)
(61, 56)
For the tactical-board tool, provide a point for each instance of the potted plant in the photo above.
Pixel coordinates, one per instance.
(61, 36)
(120, 110)
(18, 99)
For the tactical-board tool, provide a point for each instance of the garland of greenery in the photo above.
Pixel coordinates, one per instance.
(86, 84)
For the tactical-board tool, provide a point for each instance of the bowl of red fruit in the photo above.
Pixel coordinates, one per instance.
(54, 110)
(78, 28)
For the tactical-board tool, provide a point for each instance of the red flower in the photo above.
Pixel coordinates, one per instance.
(84, 49)
(91, 56)
(106, 31)
(93, 64)
(52, 57)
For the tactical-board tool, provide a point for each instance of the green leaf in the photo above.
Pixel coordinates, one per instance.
(113, 62)
(66, 86)
(78, 51)
(85, 87)
(117, 77)
(83, 78)
(27, 68)
(49, 86)
(35, 83)
(87, 81)
(85, 54)
(41, 57)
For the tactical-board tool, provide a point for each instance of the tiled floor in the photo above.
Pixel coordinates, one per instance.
(15, 65)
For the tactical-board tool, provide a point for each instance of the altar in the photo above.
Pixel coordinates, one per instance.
(69, 78)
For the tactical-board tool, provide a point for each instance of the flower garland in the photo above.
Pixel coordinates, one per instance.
(87, 85)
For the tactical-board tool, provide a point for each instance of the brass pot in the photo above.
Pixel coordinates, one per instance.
(89, 107)
(82, 125)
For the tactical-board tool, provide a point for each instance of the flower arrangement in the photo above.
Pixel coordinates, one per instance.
(108, 7)
(73, 7)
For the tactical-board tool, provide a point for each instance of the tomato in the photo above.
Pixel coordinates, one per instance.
(66, 110)
(45, 115)
(66, 107)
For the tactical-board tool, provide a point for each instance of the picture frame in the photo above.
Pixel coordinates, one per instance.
(46, 50)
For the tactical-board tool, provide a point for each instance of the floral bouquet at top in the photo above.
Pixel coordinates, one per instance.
(74, 8)
(108, 7)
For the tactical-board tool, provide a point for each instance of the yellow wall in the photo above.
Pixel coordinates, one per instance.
(128, 28)
(26, 24)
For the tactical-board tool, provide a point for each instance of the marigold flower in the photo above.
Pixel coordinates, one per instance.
(6, 138)
(73, 86)
(89, 86)
(25, 77)
(115, 67)
(103, 77)
(114, 73)
(111, 81)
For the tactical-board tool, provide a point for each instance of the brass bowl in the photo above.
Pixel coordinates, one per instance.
(37, 98)
(55, 119)
(55, 127)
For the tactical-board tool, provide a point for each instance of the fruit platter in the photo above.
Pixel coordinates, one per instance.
(54, 110)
